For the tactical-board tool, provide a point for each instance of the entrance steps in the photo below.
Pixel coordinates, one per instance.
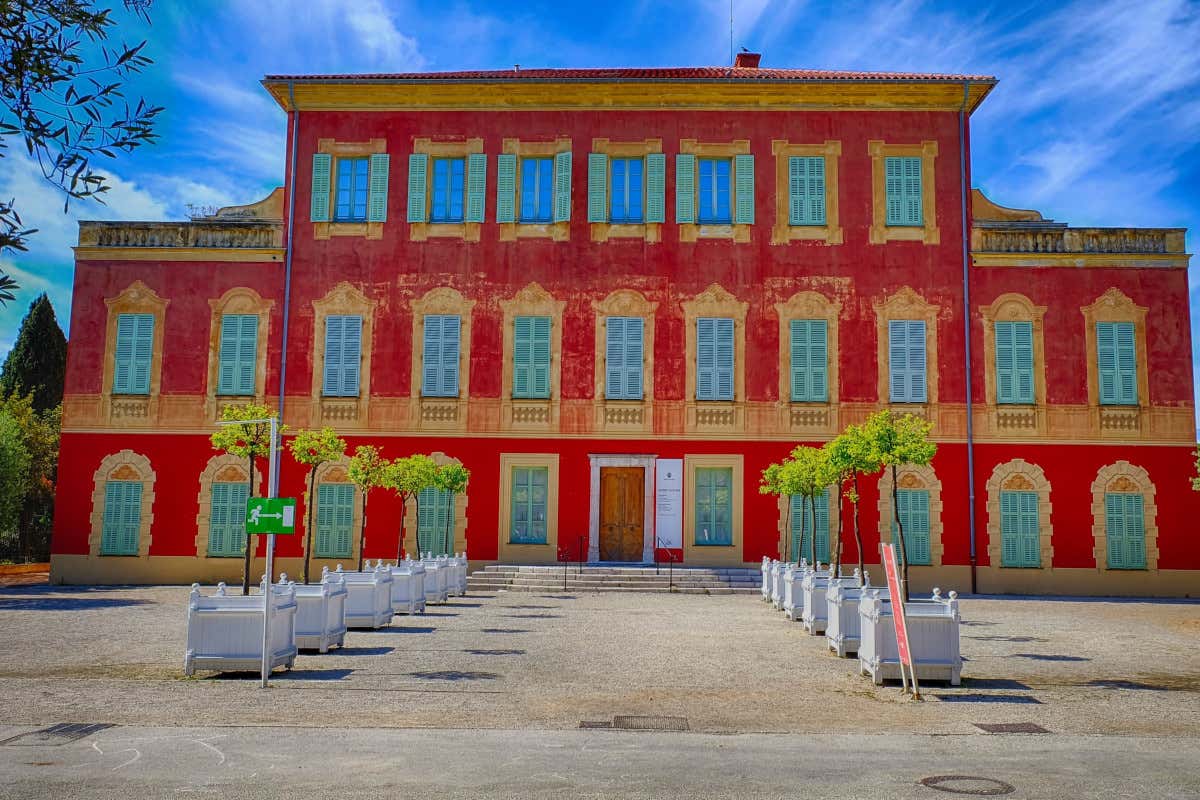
(616, 578)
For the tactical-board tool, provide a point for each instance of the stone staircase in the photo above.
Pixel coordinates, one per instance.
(615, 578)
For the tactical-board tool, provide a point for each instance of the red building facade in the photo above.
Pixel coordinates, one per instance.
(468, 276)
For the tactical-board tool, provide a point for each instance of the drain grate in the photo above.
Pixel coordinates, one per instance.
(1010, 727)
(968, 785)
(638, 723)
(55, 735)
(595, 724)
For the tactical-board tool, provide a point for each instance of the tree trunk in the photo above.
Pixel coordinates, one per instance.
(308, 529)
(362, 533)
(837, 547)
(812, 539)
(246, 555)
(400, 546)
(900, 536)
(800, 544)
(862, 570)
(787, 529)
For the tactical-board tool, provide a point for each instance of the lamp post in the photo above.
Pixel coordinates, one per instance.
(272, 491)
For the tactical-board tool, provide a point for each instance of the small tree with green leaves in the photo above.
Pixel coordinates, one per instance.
(898, 441)
(407, 477)
(367, 471)
(852, 454)
(314, 448)
(771, 483)
(808, 472)
(249, 440)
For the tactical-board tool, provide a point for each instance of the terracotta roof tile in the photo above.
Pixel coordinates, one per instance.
(643, 74)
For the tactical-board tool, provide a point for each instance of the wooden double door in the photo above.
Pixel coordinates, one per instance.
(622, 513)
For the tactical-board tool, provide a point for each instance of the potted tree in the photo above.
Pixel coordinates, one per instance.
(312, 449)
(367, 470)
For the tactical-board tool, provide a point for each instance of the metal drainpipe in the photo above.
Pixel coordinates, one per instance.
(287, 255)
(966, 278)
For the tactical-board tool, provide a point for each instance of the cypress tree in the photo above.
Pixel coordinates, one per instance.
(37, 362)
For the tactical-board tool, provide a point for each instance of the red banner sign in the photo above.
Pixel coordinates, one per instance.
(893, 581)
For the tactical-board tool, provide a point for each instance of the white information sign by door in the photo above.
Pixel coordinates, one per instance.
(668, 502)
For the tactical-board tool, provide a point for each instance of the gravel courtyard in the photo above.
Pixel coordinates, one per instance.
(509, 661)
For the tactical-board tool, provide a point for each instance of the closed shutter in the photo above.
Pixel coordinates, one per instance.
(322, 167)
(1125, 530)
(809, 360)
(218, 519)
(597, 187)
(122, 518)
(377, 188)
(906, 361)
(335, 520)
(1014, 362)
(1019, 529)
(331, 382)
(656, 187)
(714, 358)
(134, 354)
(724, 359)
(343, 354)
(531, 357)
(506, 188)
(1126, 364)
(227, 520)
(236, 359)
(903, 188)
(418, 169)
(562, 187)
(743, 167)
(623, 358)
(435, 522)
(685, 189)
(1114, 530)
(714, 506)
(440, 355)
(806, 190)
(476, 187)
(914, 513)
(325, 527)
(1030, 540)
(802, 526)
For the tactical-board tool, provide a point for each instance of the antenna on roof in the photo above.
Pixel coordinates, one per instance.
(731, 33)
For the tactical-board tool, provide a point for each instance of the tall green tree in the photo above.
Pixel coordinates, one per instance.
(62, 97)
(38, 436)
(896, 442)
(407, 477)
(312, 449)
(368, 470)
(851, 455)
(37, 362)
(14, 468)
(248, 439)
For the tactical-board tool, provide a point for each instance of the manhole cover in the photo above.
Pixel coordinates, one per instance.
(55, 735)
(637, 723)
(968, 785)
(1010, 727)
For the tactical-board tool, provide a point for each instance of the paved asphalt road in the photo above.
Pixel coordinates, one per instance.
(131, 763)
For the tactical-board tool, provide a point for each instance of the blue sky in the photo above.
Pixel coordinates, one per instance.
(1096, 120)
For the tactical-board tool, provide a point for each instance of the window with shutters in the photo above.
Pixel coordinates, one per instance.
(714, 507)
(352, 188)
(626, 190)
(1125, 530)
(134, 354)
(806, 190)
(530, 500)
(343, 355)
(440, 355)
(806, 196)
(1014, 372)
(335, 520)
(1020, 543)
(1014, 362)
(803, 526)
(809, 353)
(714, 358)
(1116, 360)
(914, 515)
(227, 519)
(903, 187)
(435, 522)
(533, 189)
(902, 190)
(531, 357)
(449, 190)
(122, 518)
(714, 190)
(907, 361)
(537, 189)
(237, 361)
(623, 358)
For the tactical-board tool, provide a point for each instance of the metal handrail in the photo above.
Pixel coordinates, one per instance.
(670, 563)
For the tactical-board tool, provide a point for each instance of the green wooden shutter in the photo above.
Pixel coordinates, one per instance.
(531, 357)
(343, 519)
(426, 518)
(893, 186)
(1126, 364)
(541, 356)
(378, 188)
(1019, 529)
(1030, 540)
(562, 187)
(706, 358)
(351, 355)
(506, 188)
(903, 187)
(1113, 380)
(597, 187)
(803, 527)
(633, 358)
(906, 361)
(476, 187)
(743, 167)
(685, 189)
(1125, 531)
(1014, 362)
(809, 360)
(656, 188)
(323, 547)
(1114, 529)
(122, 518)
(440, 355)
(236, 358)
(247, 354)
(343, 355)
(614, 358)
(332, 381)
(227, 519)
(418, 168)
(435, 522)
(914, 513)
(806, 190)
(321, 169)
(134, 354)
(218, 519)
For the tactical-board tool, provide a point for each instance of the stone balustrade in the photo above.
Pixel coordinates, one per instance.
(1051, 238)
(208, 233)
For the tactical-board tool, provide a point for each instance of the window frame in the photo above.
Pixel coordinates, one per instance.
(783, 231)
(715, 191)
(357, 162)
(446, 216)
(739, 232)
(509, 551)
(881, 232)
(602, 231)
(556, 231)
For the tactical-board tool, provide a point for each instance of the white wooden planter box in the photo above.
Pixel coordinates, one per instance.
(815, 589)
(368, 597)
(841, 615)
(225, 632)
(435, 581)
(460, 574)
(933, 634)
(767, 565)
(777, 583)
(792, 602)
(408, 588)
(321, 612)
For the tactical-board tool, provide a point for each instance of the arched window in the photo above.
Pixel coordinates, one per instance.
(1124, 518)
(919, 495)
(221, 502)
(122, 506)
(1020, 533)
